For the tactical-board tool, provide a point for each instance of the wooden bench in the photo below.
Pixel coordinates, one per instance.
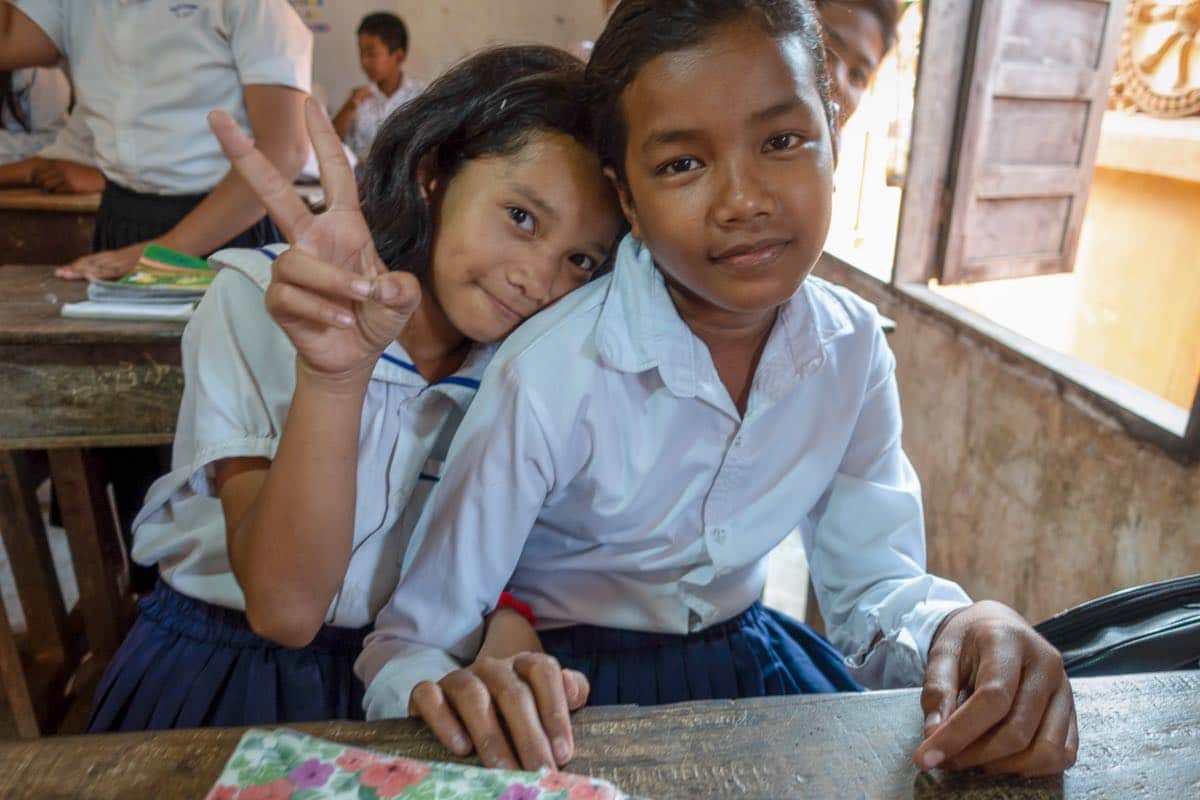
(69, 386)
(41, 228)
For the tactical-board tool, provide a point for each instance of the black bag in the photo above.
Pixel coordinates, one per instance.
(1151, 628)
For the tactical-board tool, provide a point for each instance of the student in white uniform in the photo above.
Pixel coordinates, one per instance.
(146, 72)
(311, 429)
(65, 166)
(33, 108)
(382, 50)
(635, 452)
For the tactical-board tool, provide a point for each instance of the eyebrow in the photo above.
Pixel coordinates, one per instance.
(778, 110)
(534, 199)
(660, 138)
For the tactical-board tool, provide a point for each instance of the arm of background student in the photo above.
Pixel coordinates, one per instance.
(67, 177)
(343, 121)
(276, 116)
(18, 173)
(23, 43)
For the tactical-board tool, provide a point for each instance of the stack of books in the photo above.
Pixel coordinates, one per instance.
(165, 285)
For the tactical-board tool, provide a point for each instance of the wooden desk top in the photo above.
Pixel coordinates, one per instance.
(32, 199)
(1140, 737)
(31, 299)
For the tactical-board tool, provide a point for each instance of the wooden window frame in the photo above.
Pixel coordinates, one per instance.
(938, 111)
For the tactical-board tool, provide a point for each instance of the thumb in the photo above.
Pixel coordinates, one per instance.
(576, 685)
(394, 298)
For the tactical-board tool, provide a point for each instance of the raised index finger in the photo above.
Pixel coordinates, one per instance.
(337, 179)
(273, 190)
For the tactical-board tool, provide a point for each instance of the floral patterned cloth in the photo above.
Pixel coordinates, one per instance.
(288, 765)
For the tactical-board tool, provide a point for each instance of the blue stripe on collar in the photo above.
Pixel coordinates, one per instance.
(399, 363)
(271, 254)
(470, 383)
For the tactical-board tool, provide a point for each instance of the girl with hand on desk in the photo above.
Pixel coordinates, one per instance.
(635, 452)
(311, 430)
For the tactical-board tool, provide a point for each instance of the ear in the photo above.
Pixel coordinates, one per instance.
(626, 200)
(426, 179)
(399, 54)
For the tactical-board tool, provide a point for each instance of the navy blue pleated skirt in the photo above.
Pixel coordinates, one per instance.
(190, 664)
(758, 653)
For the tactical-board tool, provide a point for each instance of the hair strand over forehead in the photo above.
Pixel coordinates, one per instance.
(640, 30)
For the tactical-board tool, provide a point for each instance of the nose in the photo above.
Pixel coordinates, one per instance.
(535, 279)
(744, 194)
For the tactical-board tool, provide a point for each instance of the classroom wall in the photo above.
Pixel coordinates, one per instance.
(1033, 496)
(441, 32)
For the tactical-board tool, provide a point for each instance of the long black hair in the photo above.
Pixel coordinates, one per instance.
(10, 99)
(640, 30)
(487, 105)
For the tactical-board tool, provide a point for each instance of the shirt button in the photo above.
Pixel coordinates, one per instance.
(719, 536)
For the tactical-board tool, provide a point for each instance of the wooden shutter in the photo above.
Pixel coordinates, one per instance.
(1038, 90)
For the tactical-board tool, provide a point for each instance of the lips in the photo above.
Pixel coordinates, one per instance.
(751, 255)
(505, 309)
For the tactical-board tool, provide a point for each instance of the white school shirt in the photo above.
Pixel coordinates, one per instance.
(73, 142)
(147, 72)
(43, 95)
(239, 377)
(372, 111)
(605, 476)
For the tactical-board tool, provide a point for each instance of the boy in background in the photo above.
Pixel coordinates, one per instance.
(382, 48)
(858, 33)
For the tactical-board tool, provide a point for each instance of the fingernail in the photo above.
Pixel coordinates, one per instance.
(933, 758)
(933, 720)
(562, 750)
(386, 292)
(459, 745)
(361, 288)
(345, 320)
(504, 763)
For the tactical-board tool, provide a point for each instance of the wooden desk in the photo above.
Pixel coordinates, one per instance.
(70, 385)
(41, 228)
(1140, 738)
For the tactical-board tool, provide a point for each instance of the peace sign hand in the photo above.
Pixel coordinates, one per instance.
(330, 292)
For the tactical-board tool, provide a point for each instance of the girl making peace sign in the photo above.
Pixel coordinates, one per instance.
(313, 425)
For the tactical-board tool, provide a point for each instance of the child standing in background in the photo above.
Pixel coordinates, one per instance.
(858, 34)
(382, 48)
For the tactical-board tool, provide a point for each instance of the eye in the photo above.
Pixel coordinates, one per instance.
(521, 218)
(678, 166)
(858, 78)
(584, 262)
(782, 141)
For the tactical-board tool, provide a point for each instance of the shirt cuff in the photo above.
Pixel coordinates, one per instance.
(898, 659)
(388, 692)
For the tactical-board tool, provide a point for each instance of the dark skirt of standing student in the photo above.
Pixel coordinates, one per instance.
(758, 653)
(191, 664)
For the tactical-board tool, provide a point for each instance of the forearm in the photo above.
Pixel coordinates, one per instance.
(291, 550)
(18, 173)
(343, 121)
(22, 42)
(228, 210)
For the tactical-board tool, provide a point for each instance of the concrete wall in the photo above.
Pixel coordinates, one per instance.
(441, 32)
(1032, 496)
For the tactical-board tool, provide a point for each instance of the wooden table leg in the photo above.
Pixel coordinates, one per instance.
(95, 548)
(34, 679)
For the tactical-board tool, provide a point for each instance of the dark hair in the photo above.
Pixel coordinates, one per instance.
(10, 99)
(886, 11)
(485, 106)
(388, 27)
(640, 30)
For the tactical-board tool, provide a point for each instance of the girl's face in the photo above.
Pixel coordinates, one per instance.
(729, 170)
(515, 233)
